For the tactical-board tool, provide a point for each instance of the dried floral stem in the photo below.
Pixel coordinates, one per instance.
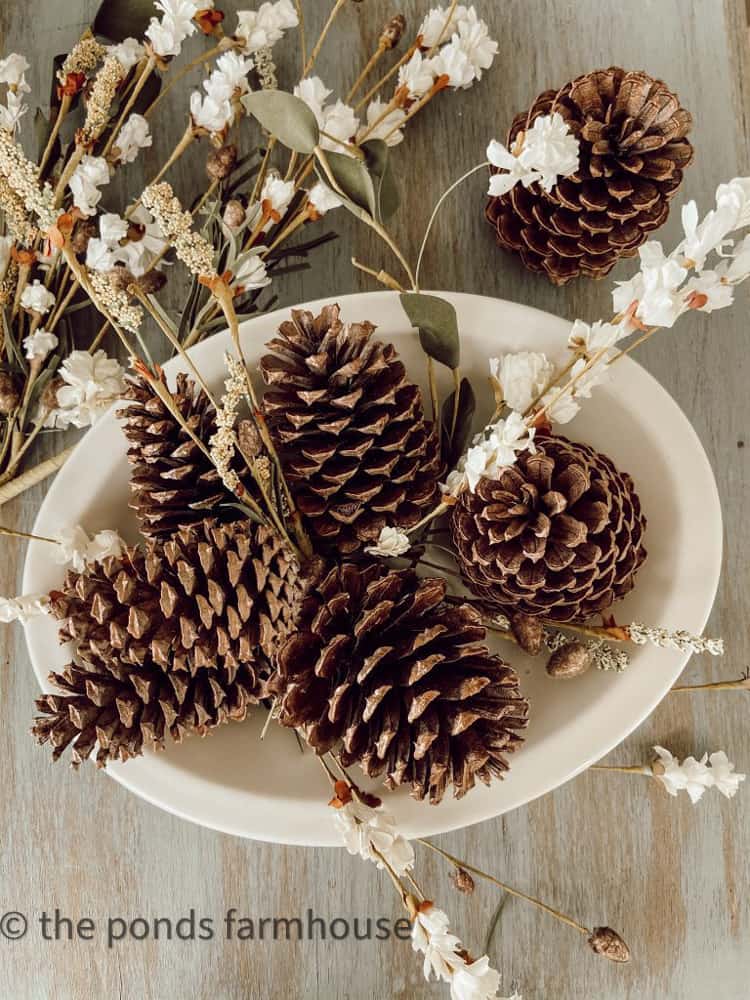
(556, 380)
(456, 399)
(440, 84)
(393, 105)
(506, 888)
(446, 24)
(302, 35)
(353, 150)
(188, 137)
(12, 533)
(68, 170)
(370, 65)
(11, 488)
(321, 39)
(382, 276)
(742, 684)
(434, 396)
(416, 44)
(433, 217)
(260, 179)
(148, 69)
(299, 220)
(435, 512)
(642, 769)
(65, 101)
(204, 57)
(636, 343)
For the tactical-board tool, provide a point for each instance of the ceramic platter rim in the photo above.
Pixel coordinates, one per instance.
(273, 793)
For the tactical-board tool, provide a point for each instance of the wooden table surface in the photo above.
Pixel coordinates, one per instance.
(605, 848)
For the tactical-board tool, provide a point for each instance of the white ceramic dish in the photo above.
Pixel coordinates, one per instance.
(269, 791)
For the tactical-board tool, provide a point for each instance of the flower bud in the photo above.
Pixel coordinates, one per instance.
(121, 278)
(393, 31)
(248, 436)
(220, 162)
(462, 881)
(528, 632)
(234, 213)
(48, 399)
(10, 396)
(152, 282)
(608, 943)
(569, 660)
(85, 230)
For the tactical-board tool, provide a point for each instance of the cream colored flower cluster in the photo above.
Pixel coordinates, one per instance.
(116, 301)
(194, 251)
(83, 57)
(22, 177)
(17, 219)
(103, 91)
(224, 442)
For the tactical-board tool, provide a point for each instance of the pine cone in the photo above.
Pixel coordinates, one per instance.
(356, 448)
(213, 595)
(172, 481)
(126, 709)
(633, 151)
(558, 534)
(382, 663)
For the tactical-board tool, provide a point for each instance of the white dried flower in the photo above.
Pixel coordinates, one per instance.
(590, 338)
(39, 344)
(441, 949)
(496, 448)
(23, 609)
(322, 199)
(550, 149)
(37, 299)
(128, 53)
(341, 123)
(262, 28)
(474, 40)
(13, 71)
(12, 111)
(75, 548)
(92, 383)
(726, 780)
(709, 290)
(372, 834)
(100, 255)
(216, 111)
(452, 62)
(384, 129)
(250, 271)
(391, 542)
(113, 228)
(166, 36)
(514, 171)
(417, 75)
(209, 114)
(91, 174)
(23, 180)
(314, 93)
(276, 195)
(134, 136)
(692, 776)
(455, 483)
(436, 28)
(523, 377)
(656, 288)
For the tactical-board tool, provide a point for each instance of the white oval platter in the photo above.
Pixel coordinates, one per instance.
(268, 790)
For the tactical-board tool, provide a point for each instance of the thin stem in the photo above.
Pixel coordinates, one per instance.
(506, 888)
(69, 169)
(433, 395)
(141, 83)
(12, 533)
(391, 73)
(743, 684)
(643, 769)
(302, 36)
(439, 205)
(393, 105)
(319, 44)
(369, 67)
(382, 276)
(446, 24)
(204, 57)
(440, 84)
(186, 140)
(456, 400)
(436, 512)
(636, 343)
(348, 146)
(62, 111)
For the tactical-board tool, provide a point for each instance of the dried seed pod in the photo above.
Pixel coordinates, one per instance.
(121, 278)
(462, 881)
(393, 31)
(234, 213)
(248, 436)
(528, 632)
(152, 282)
(48, 399)
(608, 943)
(85, 230)
(570, 660)
(221, 162)
(10, 395)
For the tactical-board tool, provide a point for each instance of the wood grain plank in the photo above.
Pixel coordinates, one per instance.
(612, 850)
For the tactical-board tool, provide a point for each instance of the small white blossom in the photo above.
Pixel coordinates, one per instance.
(207, 113)
(560, 409)
(590, 338)
(138, 254)
(434, 28)
(322, 199)
(726, 780)
(391, 542)
(75, 548)
(92, 383)
(738, 191)
(523, 377)
(366, 831)
(134, 136)
(452, 62)
(91, 174)
(340, 122)
(417, 75)
(262, 28)
(441, 949)
(39, 344)
(475, 981)
(113, 228)
(100, 255)
(23, 609)
(474, 40)
(37, 299)
(656, 288)
(12, 111)
(13, 71)
(250, 272)
(738, 265)
(230, 75)
(708, 291)
(514, 170)
(314, 93)
(277, 194)
(384, 129)
(496, 448)
(128, 53)
(701, 238)
(166, 36)
(692, 776)
(551, 149)
(455, 482)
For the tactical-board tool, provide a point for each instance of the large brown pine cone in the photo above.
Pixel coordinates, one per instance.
(356, 447)
(633, 151)
(173, 483)
(558, 534)
(128, 709)
(211, 595)
(382, 664)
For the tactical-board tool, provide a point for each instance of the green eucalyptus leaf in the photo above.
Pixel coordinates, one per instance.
(437, 323)
(354, 179)
(286, 117)
(386, 190)
(457, 443)
(117, 20)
